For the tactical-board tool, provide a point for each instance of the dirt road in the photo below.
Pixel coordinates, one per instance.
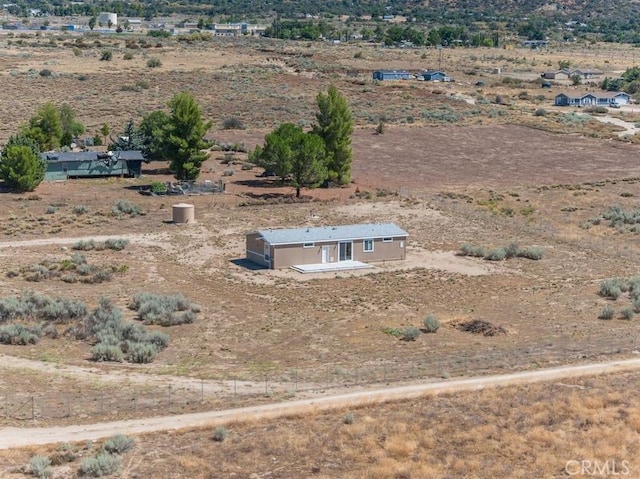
(21, 437)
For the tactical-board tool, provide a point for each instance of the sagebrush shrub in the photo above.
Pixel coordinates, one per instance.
(80, 209)
(118, 444)
(39, 466)
(470, 250)
(164, 310)
(607, 313)
(107, 352)
(496, 254)
(19, 334)
(431, 323)
(125, 207)
(610, 289)
(116, 244)
(100, 465)
(411, 333)
(141, 353)
(627, 313)
(349, 418)
(220, 433)
(531, 252)
(83, 245)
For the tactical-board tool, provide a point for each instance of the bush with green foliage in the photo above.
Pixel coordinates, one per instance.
(80, 209)
(21, 167)
(470, 250)
(627, 313)
(607, 313)
(349, 418)
(118, 444)
(501, 253)
(159, 33)
(39, 467)
(106, 55)
(164, 310)
(19, 334)
(431, 324)
(220, 433)
(232, 123)
(126, 207)
(154, 62)
(103, 464)
(158, 187)
(496, 254)
(611, 288)
(116, 244)
(411, 333)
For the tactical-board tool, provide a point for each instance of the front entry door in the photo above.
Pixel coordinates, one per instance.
(346, 250)
(325, 254)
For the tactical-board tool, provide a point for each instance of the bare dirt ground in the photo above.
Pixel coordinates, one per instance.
(478, 177)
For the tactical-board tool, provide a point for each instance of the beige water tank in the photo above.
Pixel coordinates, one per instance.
(184, 213)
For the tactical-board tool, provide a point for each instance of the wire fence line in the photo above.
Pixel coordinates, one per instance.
(271, 385)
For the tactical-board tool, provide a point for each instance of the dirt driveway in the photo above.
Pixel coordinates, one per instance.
(16, 437)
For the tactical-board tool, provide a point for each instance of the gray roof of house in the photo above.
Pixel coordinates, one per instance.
(596, 94)
(332, 233)
(433, 72)
(71, 156)
(404, 72)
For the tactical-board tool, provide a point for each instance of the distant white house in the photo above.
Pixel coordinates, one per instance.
(604, 98)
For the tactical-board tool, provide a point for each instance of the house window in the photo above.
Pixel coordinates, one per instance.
(387, 240)
(367, 246)
(308, 245)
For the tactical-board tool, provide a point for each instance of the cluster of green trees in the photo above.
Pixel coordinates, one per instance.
(629, 82)
(177, 135)
(21, 166)
(320, 156)
(300, 30)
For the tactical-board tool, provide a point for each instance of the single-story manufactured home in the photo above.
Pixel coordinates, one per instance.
(435, 75)
(384, 75)
(603, 98)
(365, 243)
(63, 165)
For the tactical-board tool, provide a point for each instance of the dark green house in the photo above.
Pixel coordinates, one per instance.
(63, 165)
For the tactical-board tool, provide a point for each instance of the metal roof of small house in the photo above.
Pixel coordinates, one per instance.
(76, 156)
(393, 71)
(332, 233)
(433, 72)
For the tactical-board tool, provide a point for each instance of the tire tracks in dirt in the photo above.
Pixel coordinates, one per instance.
(12, 437)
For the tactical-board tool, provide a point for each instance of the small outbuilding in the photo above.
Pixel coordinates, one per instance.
(326, 246)
(385, 75)
(62, 165)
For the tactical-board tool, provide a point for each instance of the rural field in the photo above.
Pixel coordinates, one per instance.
(452, 167)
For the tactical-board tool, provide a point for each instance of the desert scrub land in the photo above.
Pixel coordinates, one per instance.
(538, 430)
(453, 167)
(264, 82)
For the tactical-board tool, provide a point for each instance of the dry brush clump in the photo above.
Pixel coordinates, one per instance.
(26, 318)
(501, 253)
(74, 269)
(164, 310)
